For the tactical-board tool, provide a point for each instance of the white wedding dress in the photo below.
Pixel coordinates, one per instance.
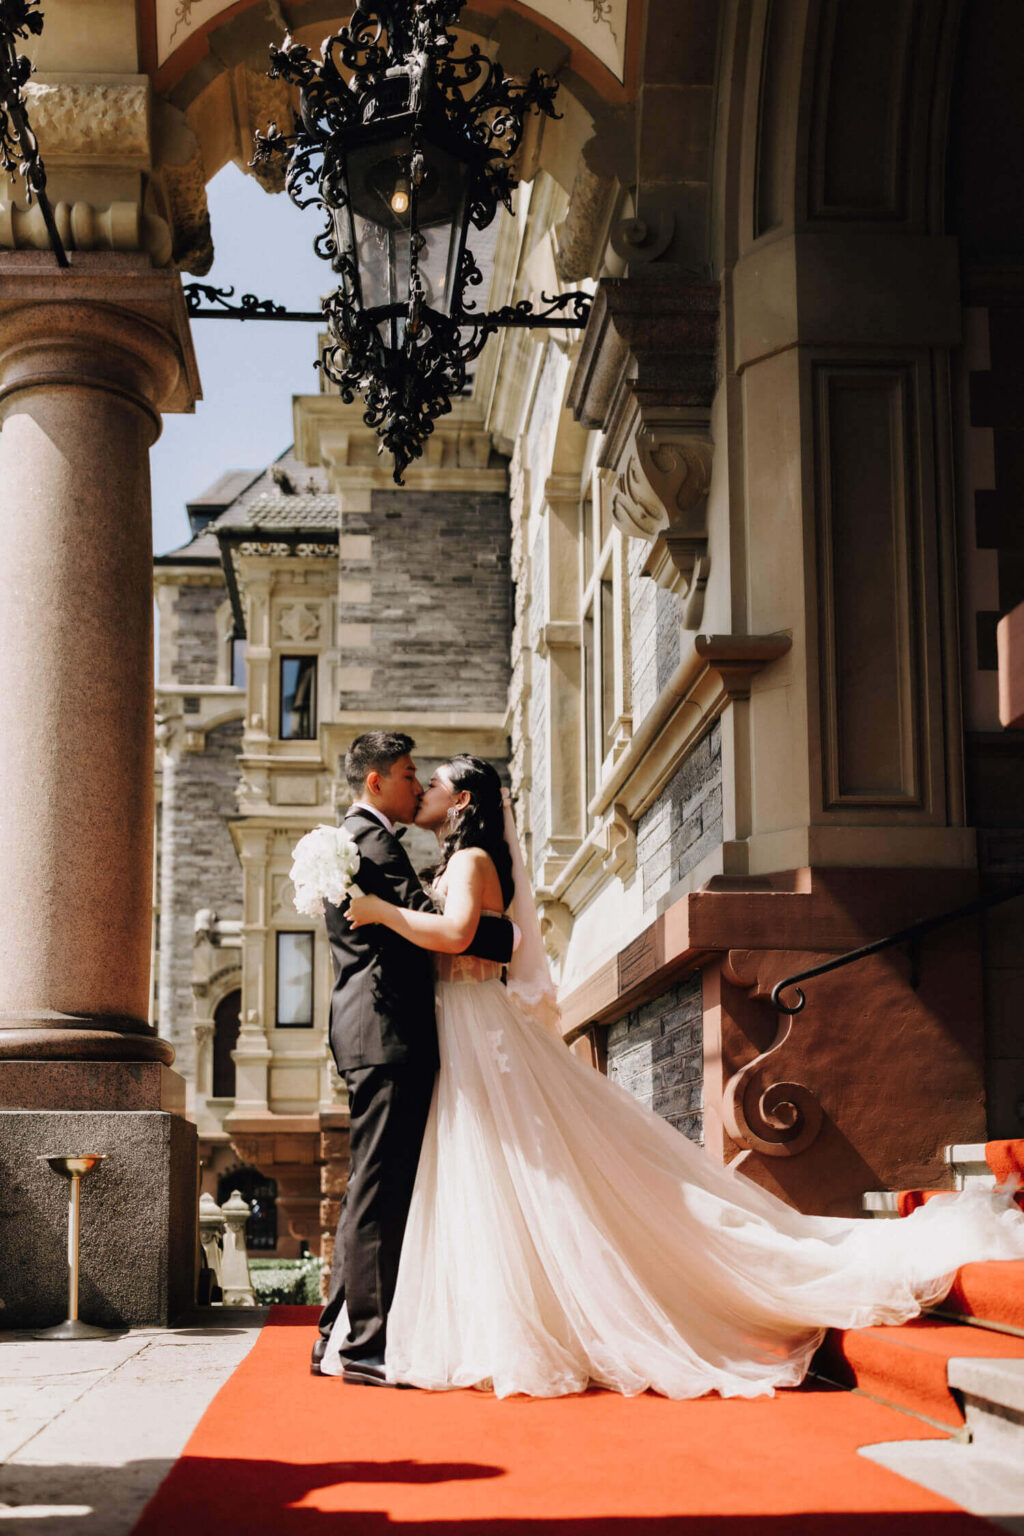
(562, 1235)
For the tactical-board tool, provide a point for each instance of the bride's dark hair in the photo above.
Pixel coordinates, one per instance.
(480, 824)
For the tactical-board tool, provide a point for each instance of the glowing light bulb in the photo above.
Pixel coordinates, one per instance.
(400, 196)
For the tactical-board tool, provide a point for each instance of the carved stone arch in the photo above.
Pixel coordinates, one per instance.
(213, 93)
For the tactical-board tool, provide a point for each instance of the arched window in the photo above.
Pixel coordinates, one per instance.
(225, 1038)
(261, 1193)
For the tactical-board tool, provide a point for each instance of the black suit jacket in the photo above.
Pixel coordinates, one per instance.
(382, 1005)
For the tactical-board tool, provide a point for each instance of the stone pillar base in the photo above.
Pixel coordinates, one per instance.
(91, 1085)
(138, 1221)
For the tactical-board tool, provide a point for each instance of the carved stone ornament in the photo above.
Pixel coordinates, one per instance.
(661, 495)
(664, 484)
(262, 101)
(555, 925)
(99, 124)
(776, 1118)
(616, 837)
(298, 621)
(83, 227)
(181, 174)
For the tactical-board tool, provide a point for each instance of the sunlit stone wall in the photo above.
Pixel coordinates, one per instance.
(657, 1053)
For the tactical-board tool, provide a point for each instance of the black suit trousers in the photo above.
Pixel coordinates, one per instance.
(388, 1106)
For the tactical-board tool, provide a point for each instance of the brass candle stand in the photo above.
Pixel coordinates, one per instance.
(73, 1169)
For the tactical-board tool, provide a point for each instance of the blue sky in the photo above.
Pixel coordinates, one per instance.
(249, 371)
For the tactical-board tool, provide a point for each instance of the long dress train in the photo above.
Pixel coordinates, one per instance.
(562, 1235)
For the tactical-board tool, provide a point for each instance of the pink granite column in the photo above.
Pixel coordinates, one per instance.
(84, 370)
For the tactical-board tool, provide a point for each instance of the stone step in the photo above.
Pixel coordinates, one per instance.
(907, 1367)
(982, 1469)
(977, 1165)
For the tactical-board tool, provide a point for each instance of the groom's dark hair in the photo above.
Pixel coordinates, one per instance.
(374, 752)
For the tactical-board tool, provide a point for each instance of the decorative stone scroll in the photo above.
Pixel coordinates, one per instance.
(661, 495)
(778, 1119)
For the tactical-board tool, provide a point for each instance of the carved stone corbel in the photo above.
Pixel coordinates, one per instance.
(555, 925)
(616, 837)
(661, 496)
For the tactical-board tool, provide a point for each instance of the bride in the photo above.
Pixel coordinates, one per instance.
(561, 1235)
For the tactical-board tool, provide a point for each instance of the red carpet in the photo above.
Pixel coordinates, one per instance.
(279, 1451)
(992, 1293)
(907, 1366)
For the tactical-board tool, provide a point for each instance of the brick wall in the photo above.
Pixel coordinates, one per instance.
(654, 629)
(195, 634)
(198, 868)
(657, 1053)
(438, 604)
(685, 823)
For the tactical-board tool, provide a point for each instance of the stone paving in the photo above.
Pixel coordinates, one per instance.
(89, 1428)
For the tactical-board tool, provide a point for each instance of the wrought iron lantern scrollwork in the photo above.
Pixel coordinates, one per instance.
(406, 147)
(19, 151)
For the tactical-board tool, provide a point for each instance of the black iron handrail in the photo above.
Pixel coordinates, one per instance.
(909, 935)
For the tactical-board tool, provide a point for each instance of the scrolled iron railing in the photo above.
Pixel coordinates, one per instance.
(783, 1118)
(911, 935)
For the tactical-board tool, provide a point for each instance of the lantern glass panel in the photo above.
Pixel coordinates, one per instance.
(377, 226)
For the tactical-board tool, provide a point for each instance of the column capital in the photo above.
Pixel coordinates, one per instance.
(111, 322)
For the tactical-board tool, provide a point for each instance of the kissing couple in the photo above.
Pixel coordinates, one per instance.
(516, 1222)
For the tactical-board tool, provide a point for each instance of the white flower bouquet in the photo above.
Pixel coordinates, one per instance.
(324, 867)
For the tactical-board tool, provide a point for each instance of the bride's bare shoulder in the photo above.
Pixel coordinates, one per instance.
(469, 860)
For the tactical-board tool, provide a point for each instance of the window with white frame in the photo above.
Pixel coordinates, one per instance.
(294, 981)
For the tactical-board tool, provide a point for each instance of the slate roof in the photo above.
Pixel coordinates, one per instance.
(288, 497)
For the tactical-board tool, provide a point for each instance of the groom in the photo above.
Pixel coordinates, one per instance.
(384, 1040)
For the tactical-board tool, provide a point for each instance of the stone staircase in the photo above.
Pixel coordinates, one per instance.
(960, 1368)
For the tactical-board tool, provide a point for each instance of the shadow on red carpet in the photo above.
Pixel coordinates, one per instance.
(282, 1453)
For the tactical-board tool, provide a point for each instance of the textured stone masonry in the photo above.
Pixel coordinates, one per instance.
(438, 602)
(656, 1052)
(684, 824)
(196, 638)
(198, 868)
(654, 631)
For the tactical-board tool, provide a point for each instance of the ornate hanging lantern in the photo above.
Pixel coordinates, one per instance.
(406, 147)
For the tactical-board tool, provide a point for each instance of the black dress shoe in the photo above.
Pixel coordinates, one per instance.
(370, 1372)
(319, 1350)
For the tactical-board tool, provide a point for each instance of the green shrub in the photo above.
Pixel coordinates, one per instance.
(286, 1282)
